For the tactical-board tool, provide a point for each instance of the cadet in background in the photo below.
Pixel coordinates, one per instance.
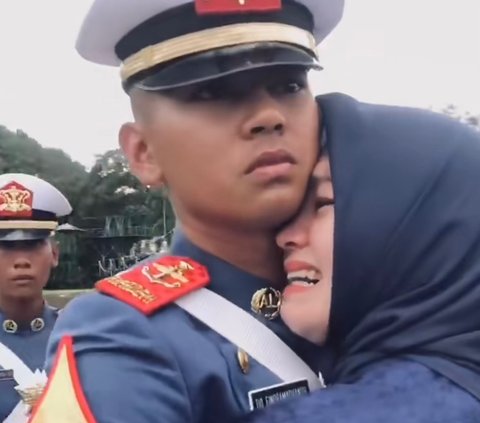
(29, 212)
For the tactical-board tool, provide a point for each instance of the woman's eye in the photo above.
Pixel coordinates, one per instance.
(320, 203)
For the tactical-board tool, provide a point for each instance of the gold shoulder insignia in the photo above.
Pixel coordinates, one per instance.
(150, 286)
(63, 399)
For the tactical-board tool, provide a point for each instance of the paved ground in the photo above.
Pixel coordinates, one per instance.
(62, 297)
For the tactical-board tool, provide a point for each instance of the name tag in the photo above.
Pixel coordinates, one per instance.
(6, 374)
(263, 397)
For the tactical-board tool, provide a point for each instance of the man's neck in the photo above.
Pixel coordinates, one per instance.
(254, 252)
(21, 310)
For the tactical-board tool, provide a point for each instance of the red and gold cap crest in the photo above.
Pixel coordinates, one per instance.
(206, 7)
(15, 201)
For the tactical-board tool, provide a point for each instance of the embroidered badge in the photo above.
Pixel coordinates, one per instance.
(264, 397)
(150, 286)
(234, 6)
(172, 276)
(133, 288)
(15, 201)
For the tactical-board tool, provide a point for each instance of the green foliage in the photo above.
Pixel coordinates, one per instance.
(21, 154)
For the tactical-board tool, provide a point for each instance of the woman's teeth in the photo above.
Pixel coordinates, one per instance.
(304, 277)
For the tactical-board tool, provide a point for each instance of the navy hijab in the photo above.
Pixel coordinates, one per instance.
(407, 240)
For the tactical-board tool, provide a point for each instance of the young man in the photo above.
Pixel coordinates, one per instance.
(29, 212)
(225, 121)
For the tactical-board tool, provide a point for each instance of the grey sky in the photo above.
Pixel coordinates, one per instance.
(408, 52)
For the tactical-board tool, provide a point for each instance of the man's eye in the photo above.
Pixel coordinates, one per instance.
(291, 86)
(203, 94)
(209, 93)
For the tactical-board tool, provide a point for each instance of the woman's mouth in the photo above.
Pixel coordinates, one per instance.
(309, 277)
(300, 281)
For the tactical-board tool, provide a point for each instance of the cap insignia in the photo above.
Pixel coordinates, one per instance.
(15, 201)
(221, 7)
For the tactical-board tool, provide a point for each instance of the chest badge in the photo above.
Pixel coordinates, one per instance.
(266, 302)
(263, 397)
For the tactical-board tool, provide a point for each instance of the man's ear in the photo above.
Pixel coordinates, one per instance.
(139, 155)
(55, 252)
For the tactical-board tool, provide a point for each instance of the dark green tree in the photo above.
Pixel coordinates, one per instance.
(21, 154)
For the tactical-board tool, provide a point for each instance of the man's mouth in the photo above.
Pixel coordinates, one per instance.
(22, 279)
(270, 158)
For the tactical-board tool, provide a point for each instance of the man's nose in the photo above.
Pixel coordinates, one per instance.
(265, 116)
(22, 262)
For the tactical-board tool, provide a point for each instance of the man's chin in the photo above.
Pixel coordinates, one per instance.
(280, 208)
(23, 294)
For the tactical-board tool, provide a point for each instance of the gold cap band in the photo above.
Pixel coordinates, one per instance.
(28, 224)
(210, 39)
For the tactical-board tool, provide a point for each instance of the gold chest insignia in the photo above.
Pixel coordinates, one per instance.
(266, 302)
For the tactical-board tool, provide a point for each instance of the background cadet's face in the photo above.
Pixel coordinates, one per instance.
(238, 149)
(308, 245)
(25, 267)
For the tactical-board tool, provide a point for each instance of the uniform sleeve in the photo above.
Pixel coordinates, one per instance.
(121, 374)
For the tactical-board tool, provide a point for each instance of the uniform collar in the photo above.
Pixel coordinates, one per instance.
(37, 324)
(227, 280)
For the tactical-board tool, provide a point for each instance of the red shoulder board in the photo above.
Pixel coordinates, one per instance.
(204, 7)
(150, 286)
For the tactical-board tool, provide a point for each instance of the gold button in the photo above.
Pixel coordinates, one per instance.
(10, 326)
(37, 324)
(243, 361)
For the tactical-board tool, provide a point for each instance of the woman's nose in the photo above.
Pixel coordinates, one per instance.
(294, 235)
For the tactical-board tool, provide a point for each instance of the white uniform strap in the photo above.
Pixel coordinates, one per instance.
(19, 414)
(246, 332)
(9, 360)
(22, 375)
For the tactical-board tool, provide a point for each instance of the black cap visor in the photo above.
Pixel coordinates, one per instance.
(219, 63)
(15, 235)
